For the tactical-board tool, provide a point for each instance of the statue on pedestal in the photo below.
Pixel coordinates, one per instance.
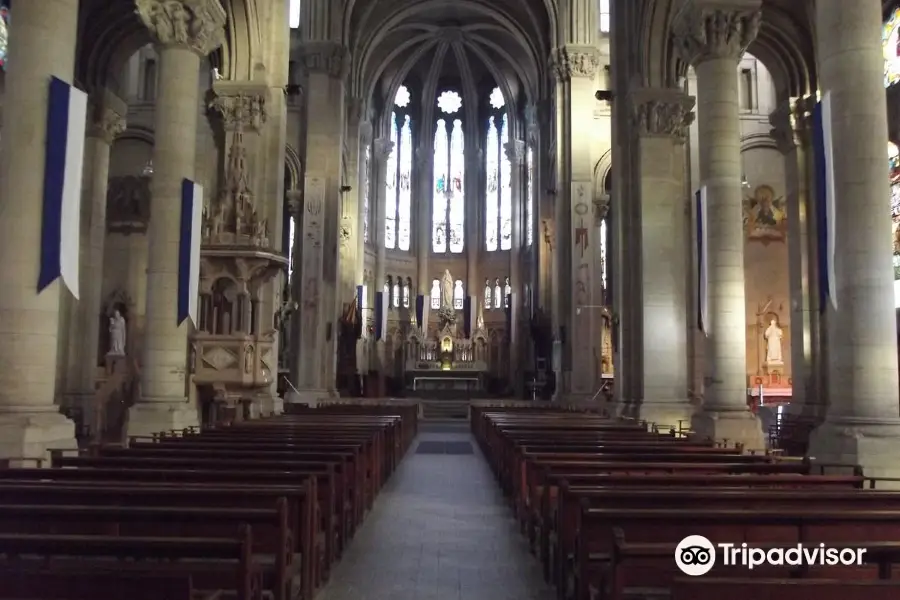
(447, 290)
(117, 333)
(773, 337)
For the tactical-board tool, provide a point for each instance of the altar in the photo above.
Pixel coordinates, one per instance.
(451, 361)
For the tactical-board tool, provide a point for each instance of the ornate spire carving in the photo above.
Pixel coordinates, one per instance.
(195, 24)
(703, 32)
(575, 61)
(662, 113)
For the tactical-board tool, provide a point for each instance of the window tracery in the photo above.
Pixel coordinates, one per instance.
(395, 295)
(435, 293)
(398, 179)
(497, 293)
(498, 191)
(407, 290)
(507, 290)
(448, 205)
(458, 294)
(487, 294)
(603, 16)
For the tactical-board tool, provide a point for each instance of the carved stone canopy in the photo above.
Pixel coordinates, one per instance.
(575, 61)
(662, 113)
(195, 24)
(128, 204)
(330, 58)
(704, 30)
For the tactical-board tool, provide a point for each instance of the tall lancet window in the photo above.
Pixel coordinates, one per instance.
(448, 217)
(498, 195)
(529, 196)
(398, 177)
(367, 159)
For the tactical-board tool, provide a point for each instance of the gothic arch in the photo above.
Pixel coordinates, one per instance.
(602, 170)
(294, 167)
(758, 141)
(240, 55)
(136, 132)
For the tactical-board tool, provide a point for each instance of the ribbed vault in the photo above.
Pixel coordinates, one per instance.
(391, 40)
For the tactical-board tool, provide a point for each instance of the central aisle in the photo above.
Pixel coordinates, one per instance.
(440, 530)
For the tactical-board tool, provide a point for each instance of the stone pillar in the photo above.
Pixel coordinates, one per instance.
(575, 67)
(364, 180)
(326, 63)
(712, 37)
(383, 149)
(661, 118)
(861, 425)
(184, 32)
(350, 228)
(30, 422)
(422, 213)
(105, 122)
(791, 123)
(515, 153)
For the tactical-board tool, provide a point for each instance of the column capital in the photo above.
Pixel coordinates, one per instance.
(198, 25)
(515, 151)
(330, 58)
(295, 202)
(708, 29)
(662, 112)
(242, 105)
(572, 61)
(384, 147)
(105, 123)
(791, 123)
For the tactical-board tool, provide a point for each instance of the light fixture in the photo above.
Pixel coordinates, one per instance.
(148, 168)
(744, 182)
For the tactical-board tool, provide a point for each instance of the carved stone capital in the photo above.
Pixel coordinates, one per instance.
(709, 29)
(295, 202)
(515, 151)
(330, 58)
(575, 61)
(662, 112)
(384, 147)
(601, 206)
(242, 107)
(198, 25)
(791, 124)
(105, 124)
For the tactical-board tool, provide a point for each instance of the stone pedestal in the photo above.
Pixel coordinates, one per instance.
(871, 443)
(732, 426)
(30, 435)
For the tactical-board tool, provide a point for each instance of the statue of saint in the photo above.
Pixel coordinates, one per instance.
(117, 329)
(773, 337)
(447, 290)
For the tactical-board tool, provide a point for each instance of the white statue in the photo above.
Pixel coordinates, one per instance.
(447, 290)
(117, 333)
(773, 337)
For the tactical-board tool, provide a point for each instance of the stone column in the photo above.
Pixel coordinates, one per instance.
(712, 37)
(350, 229)
(861, 425)
(575, 67)
(105, 122)
(184, 32)
(791, 130)
(515, 153)
(30, 422)
(326, 63)
(661, 118)
(423, 182)
(383, 149)
(364, 180)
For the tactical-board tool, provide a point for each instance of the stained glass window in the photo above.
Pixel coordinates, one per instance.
(487, 293)
(407, 287)
(367, 159)
(435, 294)
(458, 294)
(894, 162)
(498, 191)
(398, 178)
(497, 293)
(448, 217)
(4, 32)
(395, 296)
(294, 15)
(603, 15)
(890, 47)
(387, 288)
(507, 290)
(604, 254)
(529, 197)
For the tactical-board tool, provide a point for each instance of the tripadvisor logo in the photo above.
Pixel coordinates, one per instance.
(695, 555)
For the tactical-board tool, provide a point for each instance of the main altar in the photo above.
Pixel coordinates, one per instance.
(450, 360)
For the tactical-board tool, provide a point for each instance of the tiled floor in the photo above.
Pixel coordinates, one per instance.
(440, 530)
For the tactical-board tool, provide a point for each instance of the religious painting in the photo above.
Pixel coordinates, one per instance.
(894, 175)
(765, 218)
(890, 47)
(4, 32)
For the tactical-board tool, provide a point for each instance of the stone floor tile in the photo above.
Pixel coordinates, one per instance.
(440, 530)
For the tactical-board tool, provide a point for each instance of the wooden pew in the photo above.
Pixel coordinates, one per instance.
(62, 584)
(700, 588)
(300, 505)
(211, 563)
(596, 531)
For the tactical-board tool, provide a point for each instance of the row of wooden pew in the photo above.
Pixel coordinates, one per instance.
(605, 503)
(260, 508)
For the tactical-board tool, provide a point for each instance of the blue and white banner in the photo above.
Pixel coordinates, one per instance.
(63, 164)
(470, 305)
(702, 234)
(381, 314)
(823, 148)
(189, 251)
